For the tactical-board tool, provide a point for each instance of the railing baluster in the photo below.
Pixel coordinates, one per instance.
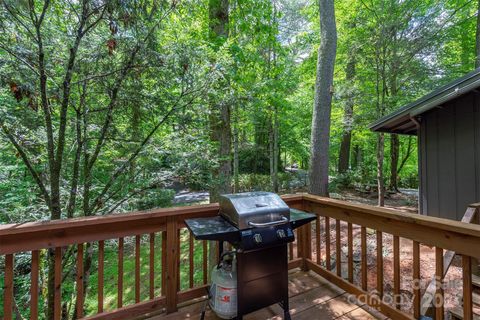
(8, 288)
(327, 244)
(300, 242)
(179, 253)
(57, 305)
(317, 240)
(164, 263)
(467, 288)
(380, 263)
(338, 251)
(34, 285)
(101, 263)
(120, 273)
(191, 246)
(172, 254)
(307, 242)
(350, 252)
(151, 268)
(439, 298)
(396, 271)
(416, 279)
(205, 262)
(290, 250)
(79, 280)
(364, 257)
(137, 268)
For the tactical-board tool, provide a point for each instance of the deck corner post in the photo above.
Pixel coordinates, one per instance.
(476, 220)
(304, 246)
(172, 267)
(304, 236)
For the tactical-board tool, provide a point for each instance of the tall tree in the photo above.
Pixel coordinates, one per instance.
(345, 145)
(75, 84)
(320, 136)
(220, 131)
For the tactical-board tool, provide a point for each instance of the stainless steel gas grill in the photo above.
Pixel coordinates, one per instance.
(259, 225)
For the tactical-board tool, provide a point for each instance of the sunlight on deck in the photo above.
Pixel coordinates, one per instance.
(311, 297)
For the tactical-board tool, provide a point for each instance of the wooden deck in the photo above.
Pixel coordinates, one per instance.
(311, 297)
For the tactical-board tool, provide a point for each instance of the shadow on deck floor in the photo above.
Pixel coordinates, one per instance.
(311, 297)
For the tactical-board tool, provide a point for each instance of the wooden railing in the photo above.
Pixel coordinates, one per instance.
(376, 224)
(158, 265)
(164, 272)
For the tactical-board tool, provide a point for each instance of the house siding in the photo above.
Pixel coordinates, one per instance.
(449, 165)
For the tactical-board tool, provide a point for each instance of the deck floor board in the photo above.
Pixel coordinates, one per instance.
(311, 297)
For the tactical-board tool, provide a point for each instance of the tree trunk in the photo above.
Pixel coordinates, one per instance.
(273, 150)
(236, 161)
(394, 157)
(380, 157)
(320, 137)
(356, 156)
(344, 156)
(477, 38)
(220, 132)
(276, 151)
(270, 152)
(219, 118)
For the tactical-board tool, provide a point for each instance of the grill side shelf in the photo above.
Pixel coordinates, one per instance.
(216, 228)
(298, 218)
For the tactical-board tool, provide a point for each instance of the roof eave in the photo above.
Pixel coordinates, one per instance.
(446, 93)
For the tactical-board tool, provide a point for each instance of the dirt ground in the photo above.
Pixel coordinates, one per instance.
(401, 202)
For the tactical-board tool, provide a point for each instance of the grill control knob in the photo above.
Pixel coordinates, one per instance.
(257, 237)
(281, 233)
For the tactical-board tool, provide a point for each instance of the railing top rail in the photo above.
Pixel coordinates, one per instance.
(460, 237)
(8, 229)
(48, 234)
(394, 215)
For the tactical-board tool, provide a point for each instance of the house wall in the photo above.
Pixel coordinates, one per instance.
(449, 140)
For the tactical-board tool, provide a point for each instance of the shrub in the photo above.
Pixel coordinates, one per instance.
(156, 198)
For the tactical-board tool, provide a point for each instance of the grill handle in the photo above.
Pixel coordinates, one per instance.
(266, 224)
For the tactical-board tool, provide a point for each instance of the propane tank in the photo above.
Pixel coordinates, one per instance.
(223, 290)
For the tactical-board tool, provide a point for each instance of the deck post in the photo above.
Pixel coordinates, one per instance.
(172, 258)
(475, 220)
(304, 240)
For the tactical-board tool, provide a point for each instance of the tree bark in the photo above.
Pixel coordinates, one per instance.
(320, 136)
(220, 131)
(344, 156)
(380, 157)
(394, 157)
(236, 160)
(219, 118)
(276, 151)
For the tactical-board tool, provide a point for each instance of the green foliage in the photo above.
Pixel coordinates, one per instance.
(265, 72)
(157, 198)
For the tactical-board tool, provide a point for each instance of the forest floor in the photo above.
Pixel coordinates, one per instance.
(406, 200)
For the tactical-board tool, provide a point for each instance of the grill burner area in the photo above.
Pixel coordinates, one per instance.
(259, 225)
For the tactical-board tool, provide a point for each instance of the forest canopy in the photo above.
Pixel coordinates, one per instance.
(111, 106)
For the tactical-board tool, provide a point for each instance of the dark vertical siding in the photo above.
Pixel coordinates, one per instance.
(446, 162)
(450, 145)
(476, 116)
(465, 153)
(429, 124)
(422, 199)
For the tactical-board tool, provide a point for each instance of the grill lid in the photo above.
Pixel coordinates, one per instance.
(254, 209)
